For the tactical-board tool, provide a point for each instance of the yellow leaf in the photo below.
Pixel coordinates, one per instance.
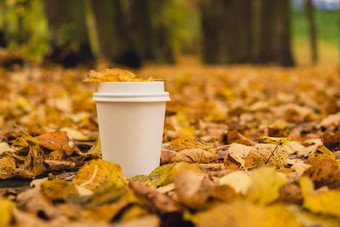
(112, 75)
(188, 143)
(242, 213)
(321, 152)
(267, 154)
(56, 190)
(7, 167)
(109, 191)
(240, 181)
(165, 174)
(95, 172)
(266, 183)
(5, 211)
(273, 140)
(324, 203)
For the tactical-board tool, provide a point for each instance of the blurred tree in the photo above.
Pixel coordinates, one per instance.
(68, 40)
(226, 27)
(312, 30)
(273, 42)
(151, 30)
(114, 37)
(240, 31)
(141, 27)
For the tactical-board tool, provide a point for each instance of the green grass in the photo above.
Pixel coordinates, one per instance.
(327, 23)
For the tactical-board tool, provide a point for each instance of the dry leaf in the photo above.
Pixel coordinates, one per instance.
(324, 203)
(265, 186)
(187, 143)
(193, 155)
(235, 137)
(112, 75)
(162, 202)
(267, 154)
(320, 152)
(95, 172)
(5, 211)
(56, 190)
(240, 181)
(243, 213)
(193, 189)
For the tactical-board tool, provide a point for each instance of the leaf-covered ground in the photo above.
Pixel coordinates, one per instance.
(242, 146)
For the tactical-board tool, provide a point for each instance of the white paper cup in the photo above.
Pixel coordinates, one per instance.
(131, 120)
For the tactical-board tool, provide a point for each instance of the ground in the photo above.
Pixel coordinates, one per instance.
(242, 146)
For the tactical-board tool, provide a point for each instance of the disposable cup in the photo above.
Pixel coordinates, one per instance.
(131, 120)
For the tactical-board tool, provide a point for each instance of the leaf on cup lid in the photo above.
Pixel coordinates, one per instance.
(113, 75)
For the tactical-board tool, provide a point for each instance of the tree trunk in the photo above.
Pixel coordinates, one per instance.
(226, 27)
(273, 41)
(141, 26)
(163, 44)
(312, 30)
(115, 42)
(69, 43)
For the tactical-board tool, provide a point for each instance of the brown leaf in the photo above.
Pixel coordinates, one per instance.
(331, 140)
(54, 140)
(187, 143)
(162, 202)
(166, 156)
(290, 193)
(224, 193)
(193, 156)
(55, 165)
(235, 137)
(193, 189)
(325, 172)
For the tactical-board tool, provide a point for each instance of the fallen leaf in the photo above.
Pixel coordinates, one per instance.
(187, 143)
(267, 154)
(265, 186)
(330, 140)
(95, 172)
(109, 191)
(4, 147)
(5, 211)
(165, 174)
(162, 202)
(194, 155)
(7, 167)
(324, 203)
(243, 213)
(273, 140)
(320, 152)
(240, 181)
(224, 193)
(56, 190)
(193, 189)
(235, 137)
(54, 140)
(166, 156)
(325, 172)
(112, 75)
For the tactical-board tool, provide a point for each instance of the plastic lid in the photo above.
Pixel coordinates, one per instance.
(131, 92)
